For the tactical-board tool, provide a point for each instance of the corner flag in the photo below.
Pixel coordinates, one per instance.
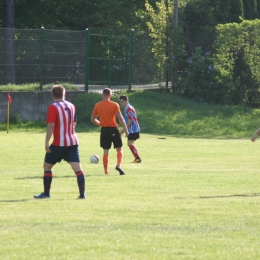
(9, 100)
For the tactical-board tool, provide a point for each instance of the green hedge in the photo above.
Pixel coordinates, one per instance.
(237, 58)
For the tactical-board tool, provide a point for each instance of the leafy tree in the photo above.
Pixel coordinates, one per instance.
(258, 8)
(78, 14)
(250, 9)
(199, 22)
(222, 10)
(237, 57)
(159, 27)
(236, 11)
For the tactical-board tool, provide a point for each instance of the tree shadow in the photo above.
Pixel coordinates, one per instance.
(225, 196)
(19, 200)
(230, 196)
(54, 177)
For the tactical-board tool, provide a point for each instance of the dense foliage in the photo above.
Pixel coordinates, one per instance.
(212, 55)
(76, 14)
(242, 64)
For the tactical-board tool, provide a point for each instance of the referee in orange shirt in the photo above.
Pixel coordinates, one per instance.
(104, 115)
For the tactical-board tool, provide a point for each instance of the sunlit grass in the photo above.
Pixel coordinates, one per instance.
(188, 199)
(168, 114)
(161, 113)
(34, 87)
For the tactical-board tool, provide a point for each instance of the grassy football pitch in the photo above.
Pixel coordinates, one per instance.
(188, 199)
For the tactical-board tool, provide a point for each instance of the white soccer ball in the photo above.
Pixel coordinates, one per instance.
(94, 159)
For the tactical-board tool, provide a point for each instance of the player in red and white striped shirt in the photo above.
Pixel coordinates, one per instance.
(62, 114)
(61, 120)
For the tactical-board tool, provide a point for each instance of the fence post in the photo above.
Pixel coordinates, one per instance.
(41, 56)
(110, 54)
(87, 48)
(131, 60)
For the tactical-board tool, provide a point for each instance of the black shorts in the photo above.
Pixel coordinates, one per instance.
(108, 136)
(133, 136)
(67, 153)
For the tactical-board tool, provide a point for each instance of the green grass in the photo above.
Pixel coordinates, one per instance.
(167, 114)
(35, 87)
(190, 198)
(194, 196)
(161, 113)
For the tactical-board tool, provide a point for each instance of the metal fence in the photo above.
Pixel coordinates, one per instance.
(91, 59)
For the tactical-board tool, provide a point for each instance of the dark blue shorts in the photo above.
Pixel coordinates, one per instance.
(66, 153)
(133, 136)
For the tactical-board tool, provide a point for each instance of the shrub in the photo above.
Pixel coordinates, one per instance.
(84, 105)
(202, 81)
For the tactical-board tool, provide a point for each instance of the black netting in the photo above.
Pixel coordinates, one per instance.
(64, 56)
(93, 58)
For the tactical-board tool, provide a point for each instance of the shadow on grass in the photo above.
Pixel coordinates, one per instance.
(230, 196)
(20, 200)
(40, 177)
(54, 177)
(225, 196)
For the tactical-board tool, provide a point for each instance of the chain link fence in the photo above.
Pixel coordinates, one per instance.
(90, 59)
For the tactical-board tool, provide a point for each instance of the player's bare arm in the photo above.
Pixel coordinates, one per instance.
(129, 122)
(94, 120)
(122, 123)
(254, 136)
(49, 132)
(127, 125)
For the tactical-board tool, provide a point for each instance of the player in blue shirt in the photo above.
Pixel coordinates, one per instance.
(132, 126)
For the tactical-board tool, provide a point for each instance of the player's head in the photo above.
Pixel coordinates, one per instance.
(58, 92)
(123, 99)
(107, 93)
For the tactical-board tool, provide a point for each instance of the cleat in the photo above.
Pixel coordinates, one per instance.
(120, 170)
(82, 197)
(136, 160)
(41, 196)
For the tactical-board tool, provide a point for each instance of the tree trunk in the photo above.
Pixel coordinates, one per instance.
(9, 58)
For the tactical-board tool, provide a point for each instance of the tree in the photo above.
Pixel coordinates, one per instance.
(222, 10)
(201, 17)
(258, 8)
(236, 11)
(79, 14)
(159, 26)
(250, 9)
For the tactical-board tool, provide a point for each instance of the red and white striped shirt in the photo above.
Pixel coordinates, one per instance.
(63, 115)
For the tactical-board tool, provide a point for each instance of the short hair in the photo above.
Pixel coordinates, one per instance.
(58, 91)
(107, 91)
(123, 97)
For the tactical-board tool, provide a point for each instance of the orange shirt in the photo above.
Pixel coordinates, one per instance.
(106, 110)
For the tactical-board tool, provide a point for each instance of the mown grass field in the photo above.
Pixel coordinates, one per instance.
(190, 198)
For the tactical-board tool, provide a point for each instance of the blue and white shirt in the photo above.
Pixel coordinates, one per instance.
(130, 114)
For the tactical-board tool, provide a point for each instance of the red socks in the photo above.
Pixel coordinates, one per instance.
(134, 151)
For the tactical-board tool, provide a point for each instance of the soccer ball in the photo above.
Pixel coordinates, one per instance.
(94, 159)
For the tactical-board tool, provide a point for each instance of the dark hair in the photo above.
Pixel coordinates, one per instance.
(58, 91)
(123, 97)
(107, 91)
